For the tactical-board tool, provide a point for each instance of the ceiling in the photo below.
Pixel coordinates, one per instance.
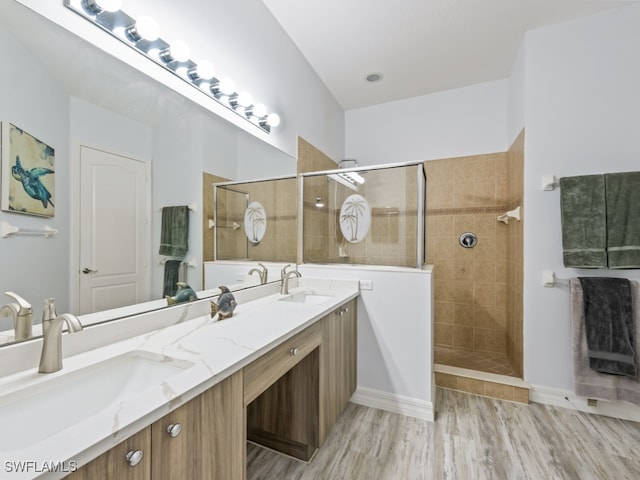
(420, 46)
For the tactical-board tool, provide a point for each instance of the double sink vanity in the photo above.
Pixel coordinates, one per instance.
(177, 394)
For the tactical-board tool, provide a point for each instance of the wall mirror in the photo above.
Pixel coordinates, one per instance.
(71, 95)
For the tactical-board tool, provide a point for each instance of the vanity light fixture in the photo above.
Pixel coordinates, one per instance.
(319, 202)
(145, 28)
(202, 71)
(143, 35)
(178, 51)
(95, 6)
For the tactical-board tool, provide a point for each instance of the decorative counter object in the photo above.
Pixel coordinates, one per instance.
(184, 294)
(225, 306)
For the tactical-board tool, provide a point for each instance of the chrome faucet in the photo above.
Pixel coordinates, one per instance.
(284, 290)
(51, 358)
(22, 314)
(262, 273)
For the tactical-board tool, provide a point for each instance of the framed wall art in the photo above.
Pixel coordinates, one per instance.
(28, 173)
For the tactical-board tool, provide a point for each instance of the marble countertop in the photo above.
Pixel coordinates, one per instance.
(211, 350)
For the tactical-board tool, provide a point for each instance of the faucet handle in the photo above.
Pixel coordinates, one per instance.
(283, 272)
(25, 307)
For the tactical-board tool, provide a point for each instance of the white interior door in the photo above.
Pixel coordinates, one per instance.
(114, 231)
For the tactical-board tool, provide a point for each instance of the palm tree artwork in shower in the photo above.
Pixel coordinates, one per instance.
(355, 217)
(255, 222)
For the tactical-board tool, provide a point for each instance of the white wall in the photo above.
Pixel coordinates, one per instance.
(395, 335)
(581, 114)
(36, 267)
(517, 89)
(464, 121)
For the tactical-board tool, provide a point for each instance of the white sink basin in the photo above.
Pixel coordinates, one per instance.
(306, 297)
(47, 407)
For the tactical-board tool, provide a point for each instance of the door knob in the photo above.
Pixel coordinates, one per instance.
(88, 270)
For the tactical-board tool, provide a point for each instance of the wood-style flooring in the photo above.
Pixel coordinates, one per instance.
(472, 438)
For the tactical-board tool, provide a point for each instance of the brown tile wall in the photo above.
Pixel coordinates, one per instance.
(515, 262)
(466, 194)
(311, 159)
(483, 387)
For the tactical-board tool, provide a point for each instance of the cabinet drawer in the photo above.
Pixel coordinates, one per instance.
(266, 370)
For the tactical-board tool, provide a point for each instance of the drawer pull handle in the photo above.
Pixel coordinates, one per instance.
(134, 457)
(174, 430)
(294, 351)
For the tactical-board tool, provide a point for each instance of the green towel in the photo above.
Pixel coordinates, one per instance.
(584, 227)
(174, 233)
(623, 219)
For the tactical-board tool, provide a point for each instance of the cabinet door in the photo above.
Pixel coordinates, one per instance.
(338, 364)
(114, 463)
(204, 438)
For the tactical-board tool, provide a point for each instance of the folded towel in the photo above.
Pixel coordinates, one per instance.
(174, 233)
(609, 325)
(584, 228)
(171, 277)
(589, 383)
(623, 219)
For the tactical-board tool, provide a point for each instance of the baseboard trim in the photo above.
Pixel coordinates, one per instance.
(391, 402)
(568, 399)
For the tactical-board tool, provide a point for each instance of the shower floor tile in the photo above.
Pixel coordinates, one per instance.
(482, 361)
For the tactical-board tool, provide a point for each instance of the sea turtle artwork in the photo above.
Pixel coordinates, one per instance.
(31, 182)
(28, 173)
(226, 304)
(184, 294)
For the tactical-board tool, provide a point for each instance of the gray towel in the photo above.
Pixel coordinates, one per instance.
(174, 232)
(171, 277)
(589, 383)
(584, 228)
(623, 219)
(609, 322)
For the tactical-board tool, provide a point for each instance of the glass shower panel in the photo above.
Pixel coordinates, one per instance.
(365, 216)
(231, 242)
(256, 220)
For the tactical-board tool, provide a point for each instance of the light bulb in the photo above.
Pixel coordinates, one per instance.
(226, 86)
(145, 28)
(259, 110)
(245, 99)
(178, 51)
(205, 70)
(273, 119)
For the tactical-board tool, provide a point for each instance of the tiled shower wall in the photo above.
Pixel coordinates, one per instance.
(478, 291)
(515, 261)
(465, 195)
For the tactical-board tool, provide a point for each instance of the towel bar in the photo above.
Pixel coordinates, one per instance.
(193, 207)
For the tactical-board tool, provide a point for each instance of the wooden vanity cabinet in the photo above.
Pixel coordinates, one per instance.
(287, 399)
(338, 364)
(114, 463)
(203, 439)
(293, 412)
(209, 442)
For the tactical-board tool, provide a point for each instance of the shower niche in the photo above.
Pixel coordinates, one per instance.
(364, 216)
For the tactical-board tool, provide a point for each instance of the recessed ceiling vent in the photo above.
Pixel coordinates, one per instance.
(373, 77)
